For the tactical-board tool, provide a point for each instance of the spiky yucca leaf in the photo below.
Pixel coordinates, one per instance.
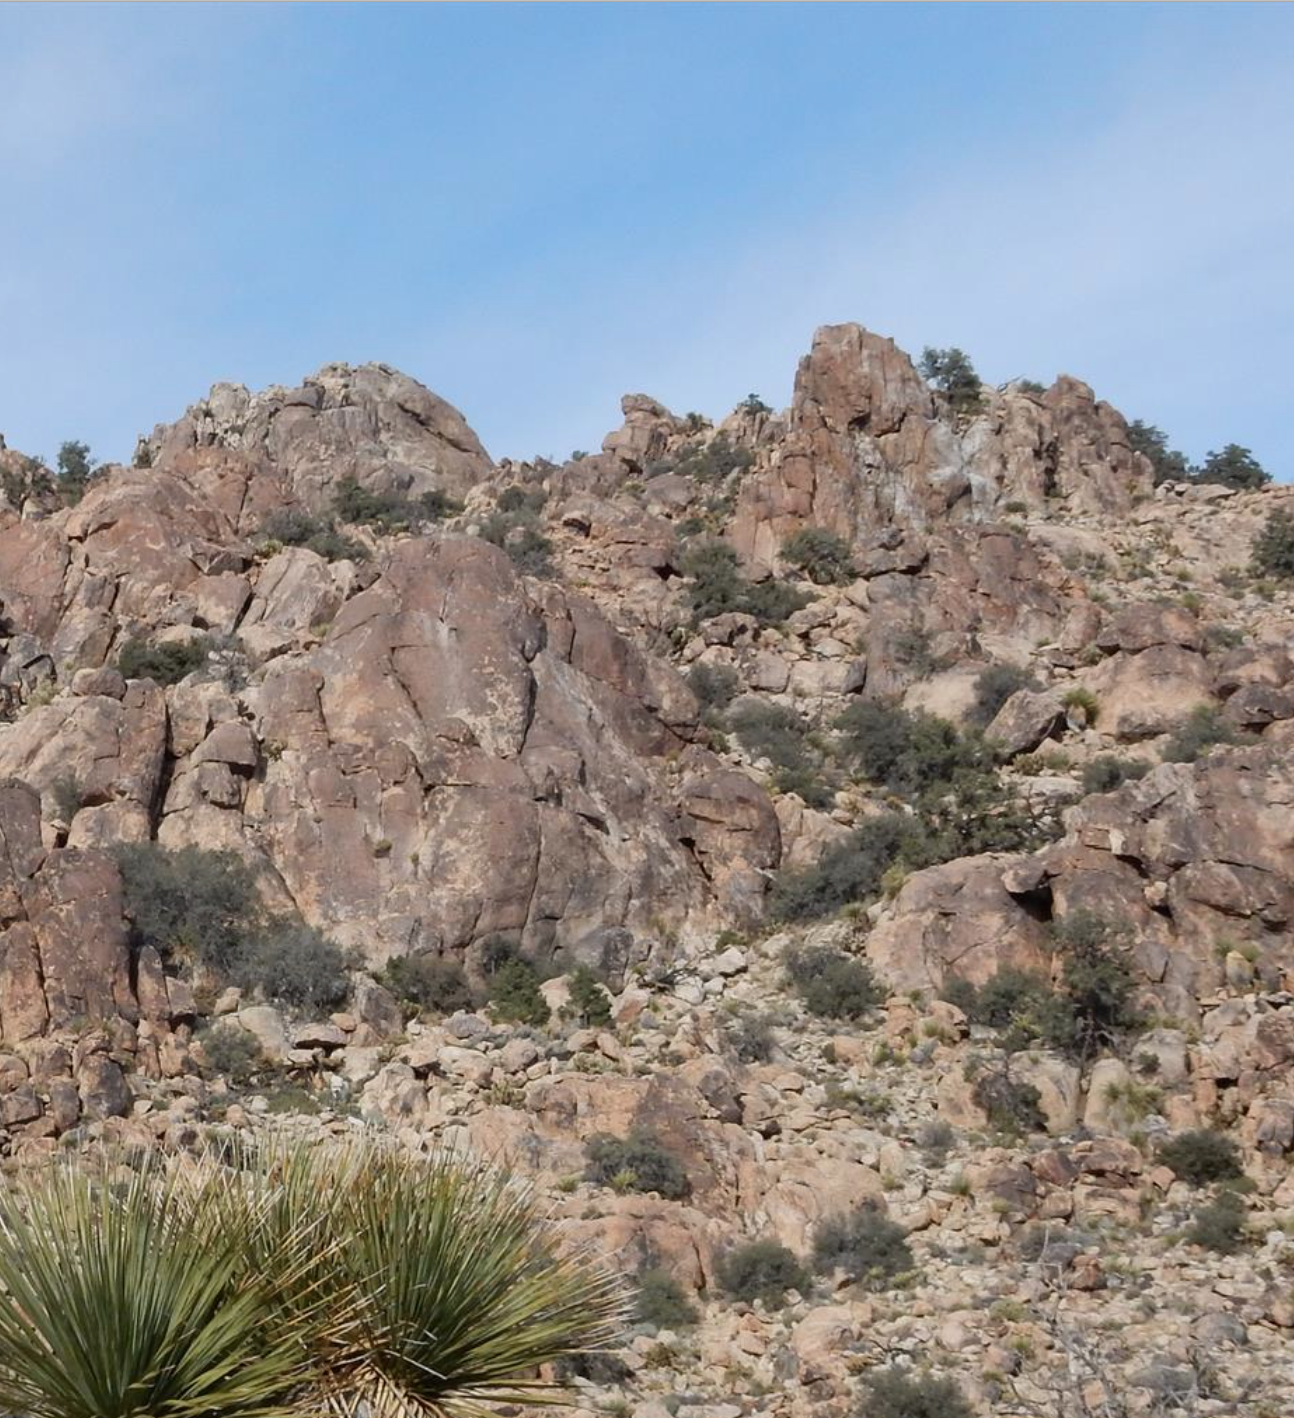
(448, 1288)
(117, 1301)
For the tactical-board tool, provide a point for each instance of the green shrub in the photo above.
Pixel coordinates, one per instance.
(773, 731)
(293, 964)
(1273, 549)
(895, 1393)
(1168, 464)
(820, 555)
(832, 985)
(514, 994)
(848, 870)
(1204, 729)
(427, 982)
(390, 511)
(753, 404)
(1220, 1225)
(715, 687)
(870, 1248)
(232, 1052)
(76, 471)
(1201, 1156)
(1097, 985)
(1105, 773)
(167, 663)
(661, 1301)
(751, 1037)
(635, 1163)
(514, 527)
(1084, 700)
(761, 1270)
(993, 687)
(710, 462)
(196, 903)
(1234, 467)
(906, 752)
(589, 1003)
(717, 587)
(68, 796)
(951, 372)
(1011, 1105)
(293, 527)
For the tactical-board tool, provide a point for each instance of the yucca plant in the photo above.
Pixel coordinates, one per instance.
(118, 1300)
(447, 1289)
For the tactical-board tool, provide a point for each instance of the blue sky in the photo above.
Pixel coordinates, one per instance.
(534, 209)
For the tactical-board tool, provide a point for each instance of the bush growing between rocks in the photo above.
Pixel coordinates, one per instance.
(761, 1270)
(76, 471)
(390, 511)
(589, 1004)
(894, 1393)
(993, 687)
(1011, 1106)
(1273, 549)
(1220, 1225)
(232, 1052)
(778, 733)
(167, 663)
(1234, 467)
(1204, 729)
(870, 1248)
(717, 587)
(512, 985)
(1201, 1156)
(661, 1301)
(293, 964)
(637, 1163)
(906, 752)
(951, 372)
(427, 982)
(832, 985)
(710, 462)
(1169, 465)
(715, 687)
(293, 527)
(1106, 773)
(751, 1038)
(820, 555)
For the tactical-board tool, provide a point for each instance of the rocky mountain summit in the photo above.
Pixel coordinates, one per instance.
(845, 854)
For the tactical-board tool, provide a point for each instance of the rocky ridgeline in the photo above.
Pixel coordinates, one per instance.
(601, 711)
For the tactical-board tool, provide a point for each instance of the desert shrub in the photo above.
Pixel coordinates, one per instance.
(1011, 1105)
(293, 964)
(1204, 729)
(820, 555)
(293, 527)
(951, 372)
(753, 404)
(832, 985)
(717, 587)
(196, 903)
(1106, 772)
(772, 731)
(1201, 1156)
(1097, 985)
(232, 1052)
(751, 1038)
(911, 646)
(1083, 700)
(715, 687)
(1168, 464)
(636, 1163)
(906, 752)
(1219, 1225)
(589, 1003)
(849, 870)
(993, 687)
(68, 795)
(936, 1139)
(1233, 467)
(167, 663)
(389, 511)
(512, 986)
(895, 1393)
(870, 1248)
(427, 982)
(711, 462)
(76, 470)
(761, 1270)
(1273, 548)
(661, 1301)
